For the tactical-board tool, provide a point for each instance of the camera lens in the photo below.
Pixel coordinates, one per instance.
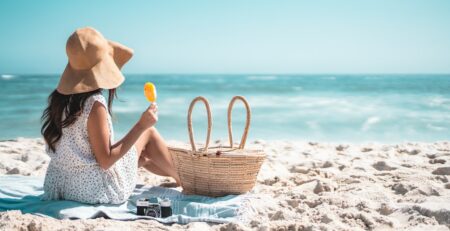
(166, 210)
(151, 213)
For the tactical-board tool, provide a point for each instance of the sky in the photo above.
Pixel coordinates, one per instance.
(233, 36)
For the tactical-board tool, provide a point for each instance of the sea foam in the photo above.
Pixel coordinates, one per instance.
(6, 76)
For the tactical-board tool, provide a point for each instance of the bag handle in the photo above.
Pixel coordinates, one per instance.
(247, 122)
(189, 120)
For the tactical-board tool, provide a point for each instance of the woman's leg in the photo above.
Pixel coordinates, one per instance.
(152, 167)
(154, 154)
(158, 152)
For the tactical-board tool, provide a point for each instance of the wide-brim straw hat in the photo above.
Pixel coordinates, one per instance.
(94, 62)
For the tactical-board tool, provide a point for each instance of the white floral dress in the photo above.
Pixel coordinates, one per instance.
(74, 174)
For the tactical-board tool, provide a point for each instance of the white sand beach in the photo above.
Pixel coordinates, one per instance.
(301, 186)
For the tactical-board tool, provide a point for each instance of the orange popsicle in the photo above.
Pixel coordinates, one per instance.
(150, 92)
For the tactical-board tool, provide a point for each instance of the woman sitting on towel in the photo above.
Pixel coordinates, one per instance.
(86, 164)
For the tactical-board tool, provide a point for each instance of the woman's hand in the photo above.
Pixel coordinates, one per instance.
(149, 117)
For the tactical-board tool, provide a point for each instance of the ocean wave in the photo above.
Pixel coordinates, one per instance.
(262, 77)
(216, 80)
(329, 78)
(127, 110)
(436, 128)
(369, 122)
(329, 103)
(176, 100)
(302, 103)
(439, 102)
(166, 106)
(313, 125)
(6, 76)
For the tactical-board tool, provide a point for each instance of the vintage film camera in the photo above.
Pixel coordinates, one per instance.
(154, 207)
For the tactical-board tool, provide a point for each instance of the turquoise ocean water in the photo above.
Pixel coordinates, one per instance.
(337, 108)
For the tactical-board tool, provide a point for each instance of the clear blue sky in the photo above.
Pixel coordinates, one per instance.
(354, 36)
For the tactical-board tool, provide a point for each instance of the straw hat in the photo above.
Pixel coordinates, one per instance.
(94, 62)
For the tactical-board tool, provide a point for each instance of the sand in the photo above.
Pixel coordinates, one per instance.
(301, 186)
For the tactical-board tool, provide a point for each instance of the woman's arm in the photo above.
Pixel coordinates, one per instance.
(98, 131)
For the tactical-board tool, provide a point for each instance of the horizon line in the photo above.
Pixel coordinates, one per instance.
(258, 73)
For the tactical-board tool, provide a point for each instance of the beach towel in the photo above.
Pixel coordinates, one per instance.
(23, 193)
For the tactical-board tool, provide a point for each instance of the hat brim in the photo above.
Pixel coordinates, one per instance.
(105, 74)
(120, 53)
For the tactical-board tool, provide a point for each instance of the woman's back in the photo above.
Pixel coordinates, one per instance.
(74, 173)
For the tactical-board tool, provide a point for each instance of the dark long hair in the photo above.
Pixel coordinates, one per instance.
(71, 106)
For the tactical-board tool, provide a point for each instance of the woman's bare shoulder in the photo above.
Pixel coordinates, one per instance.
(98, 112)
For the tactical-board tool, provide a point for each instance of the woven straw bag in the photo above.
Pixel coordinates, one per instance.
(217, 171)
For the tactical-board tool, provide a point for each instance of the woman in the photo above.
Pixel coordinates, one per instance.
(85, 164)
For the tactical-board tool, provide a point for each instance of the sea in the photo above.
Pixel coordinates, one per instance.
(357, 108)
